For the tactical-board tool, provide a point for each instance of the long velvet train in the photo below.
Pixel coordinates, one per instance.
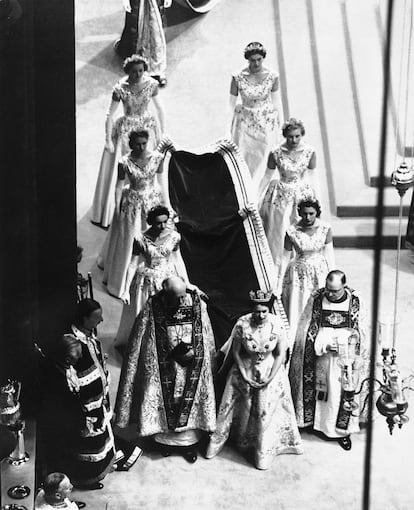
(225, 255)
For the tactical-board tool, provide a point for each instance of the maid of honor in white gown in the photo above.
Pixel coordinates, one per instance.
(136, 91)
(155, 257)
(308, 258)
(137, 191)
(256, 120)
(293, 159)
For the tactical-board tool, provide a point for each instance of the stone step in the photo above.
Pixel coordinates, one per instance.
(321, 85)
(362, 201)
(402, 73)
(364, 53)
(361, 19)
(344, 70)
(360, 232)
(336, 104)
(299, 91)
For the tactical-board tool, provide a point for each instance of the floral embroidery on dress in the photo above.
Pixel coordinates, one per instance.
(309, 262)
(259, 419)
(290, 188)
(158, 266)
(135, 104)
(141, 193)
(258, 114)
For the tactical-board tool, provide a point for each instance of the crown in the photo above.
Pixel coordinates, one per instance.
(259, 296)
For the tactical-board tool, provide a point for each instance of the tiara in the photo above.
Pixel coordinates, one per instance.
(139, 55)
(292, 121)
(259, 296)
(254, 46)
(308, 194)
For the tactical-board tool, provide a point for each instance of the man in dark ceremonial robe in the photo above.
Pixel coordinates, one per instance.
(75, 418)
(166, 384)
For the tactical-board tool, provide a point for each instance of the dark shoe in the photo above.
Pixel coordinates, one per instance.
(80, 504)
(99, 225)
(345, 443)
(190, 456)
(93, 487)
(165, 452)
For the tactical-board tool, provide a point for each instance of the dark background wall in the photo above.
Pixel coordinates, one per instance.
(37, 187)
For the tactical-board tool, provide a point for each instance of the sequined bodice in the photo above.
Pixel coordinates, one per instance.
(308, 245)
(141, 177)
(157, 254)
(292, 170)
(253, 94)
(134, 103)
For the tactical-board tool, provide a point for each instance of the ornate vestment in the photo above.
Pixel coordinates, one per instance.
(157, 392)
(95, 449)
(75, 422)
(314, 371)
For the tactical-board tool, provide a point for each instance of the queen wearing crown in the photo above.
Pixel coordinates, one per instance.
(256, 410)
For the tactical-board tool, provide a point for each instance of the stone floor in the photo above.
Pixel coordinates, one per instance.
(202, 53)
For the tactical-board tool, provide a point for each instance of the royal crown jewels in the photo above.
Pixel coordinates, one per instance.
(260, 296)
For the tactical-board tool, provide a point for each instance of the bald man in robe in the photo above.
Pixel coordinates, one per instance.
(332, 315)
(166, 385)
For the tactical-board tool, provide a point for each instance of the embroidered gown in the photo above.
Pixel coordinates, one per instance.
(306, 272)
(145, 276)
(136, 116)
(144, 32)
(137, 199)
(255, 128)
(259, 419)
(279, 206)
(166, 400)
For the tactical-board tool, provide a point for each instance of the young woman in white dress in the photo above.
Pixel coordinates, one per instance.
(308, 257)
(256, 120)
(293, 159)
(136, 91)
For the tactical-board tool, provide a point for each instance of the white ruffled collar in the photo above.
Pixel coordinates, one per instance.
(80, 335)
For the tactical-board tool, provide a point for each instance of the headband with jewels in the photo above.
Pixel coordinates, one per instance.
(254, 46)
(259, 296)
(308, 195)
(139, 56)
